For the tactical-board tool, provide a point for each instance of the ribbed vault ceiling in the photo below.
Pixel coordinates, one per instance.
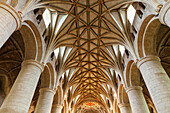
(90, 28)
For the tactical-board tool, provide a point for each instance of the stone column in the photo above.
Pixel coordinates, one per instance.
(9, 22)
(45, 100)
(21, 94)
(164, 14)
(124, 108)
(56, 108)
(137, 100)
(157, 82)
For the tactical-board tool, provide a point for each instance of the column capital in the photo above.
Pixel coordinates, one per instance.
(47, 90)
(133, 88)
(146, 59)
(123, 105)
(164, 14)
(13, 12)
(33, 62)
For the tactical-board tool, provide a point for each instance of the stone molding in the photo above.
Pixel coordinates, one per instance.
(133, 88)
(14, 13)
(164, 12)
(146, 59)
(47, 90)
(33, 62)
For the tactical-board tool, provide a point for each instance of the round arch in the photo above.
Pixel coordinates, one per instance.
(33, 42)
(122, 95)
(146, 43)
(48, 78)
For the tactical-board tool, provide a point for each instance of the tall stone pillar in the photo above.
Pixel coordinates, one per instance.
(157, 82)
(9, 22)
(125, 108)
(21, 94)
(137, 100)
(164, 14)
(56, 108)
(45, 101)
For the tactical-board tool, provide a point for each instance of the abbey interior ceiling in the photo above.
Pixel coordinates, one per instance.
(84, 56)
